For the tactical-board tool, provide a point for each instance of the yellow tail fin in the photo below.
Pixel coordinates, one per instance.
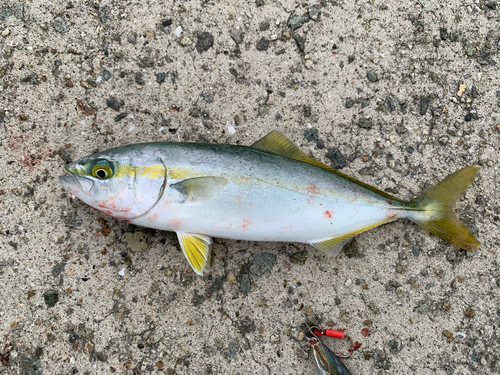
(436, 209)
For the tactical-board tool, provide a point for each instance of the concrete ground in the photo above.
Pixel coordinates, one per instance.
(395, 93)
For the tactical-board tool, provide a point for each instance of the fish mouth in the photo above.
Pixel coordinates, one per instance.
(75, 184)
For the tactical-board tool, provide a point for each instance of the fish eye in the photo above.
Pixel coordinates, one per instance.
(101, 172)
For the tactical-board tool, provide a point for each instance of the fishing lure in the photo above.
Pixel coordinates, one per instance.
(328, 362)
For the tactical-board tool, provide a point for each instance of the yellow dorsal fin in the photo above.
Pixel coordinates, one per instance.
(196, 248)
(276, 143)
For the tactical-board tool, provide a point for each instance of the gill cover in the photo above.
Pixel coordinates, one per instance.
(122, 190)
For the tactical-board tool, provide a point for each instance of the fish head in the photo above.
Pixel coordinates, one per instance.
(125, 183)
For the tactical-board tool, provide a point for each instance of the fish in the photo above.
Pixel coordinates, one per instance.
(269, 191)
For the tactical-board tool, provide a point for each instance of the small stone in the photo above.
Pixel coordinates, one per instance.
(139, 79)
(160, 77)
(205, 42)
(131, 39)
(338, 160)
(308, 64)
(136, 241)
(295, 22)
(247, 326)
(365, 123)
(106, 75)
(263, 111)
(6, 32)
(390, 103)
(262, 45)
(51, 297)
(314, 13)
(469, 313)
(274, 338)
(349, 103)
(311, 134)
(365, 103)
(101, 356)
(113, 103)
(371, 75)
(470, 48)
(60, 25)
(236, 36)
(121, 116)
(424, 104)
(308, 311)
(468, 117)
(89, 348)
(185, 41)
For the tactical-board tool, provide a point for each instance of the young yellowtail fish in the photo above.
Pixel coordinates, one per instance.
(270, 191)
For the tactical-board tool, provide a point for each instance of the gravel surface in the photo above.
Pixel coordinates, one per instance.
(396, 94)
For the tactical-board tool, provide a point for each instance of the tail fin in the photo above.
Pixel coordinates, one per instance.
(436, 209)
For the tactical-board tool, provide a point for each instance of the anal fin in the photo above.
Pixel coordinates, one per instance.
(332, 246)
(196, 248)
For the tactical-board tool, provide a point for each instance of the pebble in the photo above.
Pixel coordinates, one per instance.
(311, 134)
(160, 77)
(131, 39)
(139, 79)
(338, 160)
(106, 75)
(113, 103)
(60, 25)
(236, 36)
(51, 297)
(371, 75)
(5, 32)
(349, 103)
(308, 64)
(262, 45)
(185, 41)
(424, 104)
(205, 42)
(365, 122)
(296, 22)
(274, 338)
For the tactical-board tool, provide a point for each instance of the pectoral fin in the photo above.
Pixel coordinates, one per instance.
(196, 248)
(200, 188)
(332, 246)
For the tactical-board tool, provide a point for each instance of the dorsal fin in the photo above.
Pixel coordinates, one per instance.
(276, 143)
